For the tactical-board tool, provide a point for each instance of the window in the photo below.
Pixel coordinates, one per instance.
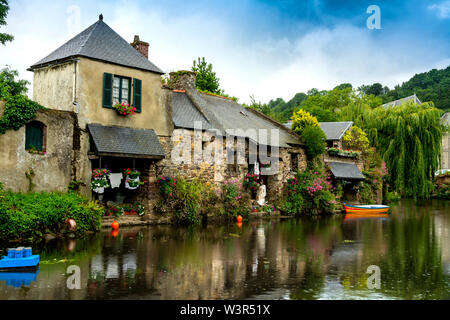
(118, 89)
(35, 134)
(294, 161)
(121, 90)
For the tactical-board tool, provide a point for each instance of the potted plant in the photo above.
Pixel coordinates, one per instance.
(132, 180)
(124, 109)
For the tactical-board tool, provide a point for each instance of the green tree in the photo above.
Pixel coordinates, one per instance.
(325, 105)
(302, 119)
(315, 141)
(4, 8)
(206, 77)
(9, 86)
(356, 139)
(408, 137)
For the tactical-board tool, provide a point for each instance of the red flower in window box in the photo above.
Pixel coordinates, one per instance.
(124, 109)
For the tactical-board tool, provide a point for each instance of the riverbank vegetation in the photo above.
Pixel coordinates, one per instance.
(310, 192)
(30, 216)
(193, 200)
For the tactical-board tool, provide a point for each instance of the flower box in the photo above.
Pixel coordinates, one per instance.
(124, 109)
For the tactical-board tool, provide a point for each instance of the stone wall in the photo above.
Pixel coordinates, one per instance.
(52, 171)
(445, 154)
(214, 172)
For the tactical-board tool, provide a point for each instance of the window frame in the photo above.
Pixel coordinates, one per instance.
(43, 131)
(120, 88)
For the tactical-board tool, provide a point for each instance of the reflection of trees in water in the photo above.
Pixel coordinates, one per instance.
(413, 257)
(405, 248)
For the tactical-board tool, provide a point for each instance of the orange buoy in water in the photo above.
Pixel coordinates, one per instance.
(115, 225)
(239, 218)
(115, 233)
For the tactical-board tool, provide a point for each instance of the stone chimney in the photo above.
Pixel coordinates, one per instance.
(182, 80)
(140, 46)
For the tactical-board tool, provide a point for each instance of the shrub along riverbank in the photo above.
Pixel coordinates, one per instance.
(30, 216)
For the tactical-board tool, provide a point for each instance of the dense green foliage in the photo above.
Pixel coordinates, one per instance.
(4, 8)
(206, 78)
(433, 85)
(18, 108)
(28, 216)
(315, 140)
(408, 137)
(188, 199)
(356, 139)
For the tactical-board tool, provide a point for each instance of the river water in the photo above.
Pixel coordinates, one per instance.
(310, 258)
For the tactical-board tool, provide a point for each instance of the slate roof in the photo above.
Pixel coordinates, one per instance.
(342, 170)
(100, 42)
(335, 130)
(225, 114)
(184, 113)
(117, 140)
(401, 101)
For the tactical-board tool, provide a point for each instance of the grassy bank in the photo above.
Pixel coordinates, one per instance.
(29, 216)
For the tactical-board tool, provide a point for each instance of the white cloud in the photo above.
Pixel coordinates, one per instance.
(443, 9)
(264, 66)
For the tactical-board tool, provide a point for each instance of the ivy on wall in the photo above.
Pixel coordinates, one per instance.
(18, 109)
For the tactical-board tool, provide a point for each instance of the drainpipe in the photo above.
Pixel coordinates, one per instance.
(74, 93)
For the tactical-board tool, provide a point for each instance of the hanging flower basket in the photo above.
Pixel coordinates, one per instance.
(132, 180)
(124, 109)
(100, 180)
(99, 185)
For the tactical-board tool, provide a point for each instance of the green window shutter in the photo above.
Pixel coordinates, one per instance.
(33, 136)
(137, 94)
(107, 90)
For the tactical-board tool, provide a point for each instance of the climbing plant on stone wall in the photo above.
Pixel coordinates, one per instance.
(18, 109)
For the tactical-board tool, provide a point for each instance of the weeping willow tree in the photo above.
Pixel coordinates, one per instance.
(408, 138)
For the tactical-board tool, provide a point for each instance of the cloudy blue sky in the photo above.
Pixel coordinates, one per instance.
(266, 48)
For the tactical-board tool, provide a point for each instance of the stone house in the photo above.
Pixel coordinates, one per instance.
(235, 131)
(81, 81)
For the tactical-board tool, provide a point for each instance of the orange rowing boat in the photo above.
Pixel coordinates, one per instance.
(366, 209)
